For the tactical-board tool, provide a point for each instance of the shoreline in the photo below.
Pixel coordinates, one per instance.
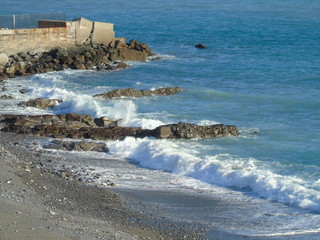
(37, 203)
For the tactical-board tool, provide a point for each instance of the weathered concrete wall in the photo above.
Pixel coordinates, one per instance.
(23, 40)
(83, 31)
(55, 33)
(102, 33)
(98, 32)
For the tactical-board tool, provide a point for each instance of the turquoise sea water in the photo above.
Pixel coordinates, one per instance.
(260, 72)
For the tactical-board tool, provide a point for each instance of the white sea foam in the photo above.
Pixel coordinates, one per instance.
(222, 170)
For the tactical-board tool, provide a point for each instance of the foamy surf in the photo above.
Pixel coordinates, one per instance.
(243, 174)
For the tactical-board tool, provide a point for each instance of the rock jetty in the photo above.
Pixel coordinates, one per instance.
(79, 57)
(131, 92)
(79, 126)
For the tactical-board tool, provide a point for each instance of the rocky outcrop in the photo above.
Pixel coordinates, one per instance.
(188, 130)
(77, 146)
(80, 57)
(42, 103)
(131, 92)
(86, 127)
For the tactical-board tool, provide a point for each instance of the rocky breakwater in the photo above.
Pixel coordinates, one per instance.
(83, 57)
(86, 127)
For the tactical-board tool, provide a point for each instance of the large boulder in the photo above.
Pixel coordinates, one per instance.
(138, 46)
(134, 51)
(77, 146)
(188, 130)
(42, 103)
(131, 92)
(128, 54)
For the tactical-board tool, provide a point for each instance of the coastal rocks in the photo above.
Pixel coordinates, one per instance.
(76, 146)
(118, 66)
(134, 51)
(86, 127)
(6, 97)
(85, 57)
(188, 130)
(42, 103)
(123, 54)
(131, 92)
(105, 122)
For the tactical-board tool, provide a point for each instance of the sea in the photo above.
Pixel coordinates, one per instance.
(260, 72)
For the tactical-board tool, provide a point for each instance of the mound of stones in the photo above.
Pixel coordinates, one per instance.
(80, 57)
(131, 92)
(79, 126)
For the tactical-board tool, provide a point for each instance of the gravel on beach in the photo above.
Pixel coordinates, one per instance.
(35, 203)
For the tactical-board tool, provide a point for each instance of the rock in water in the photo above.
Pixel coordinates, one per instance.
(86, 127)
(42, 103)
(6, 97)
(131, 92)
(201, 46)
(188, 130)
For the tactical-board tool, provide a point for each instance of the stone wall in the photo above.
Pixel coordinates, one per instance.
(52, 34)
(23, 40)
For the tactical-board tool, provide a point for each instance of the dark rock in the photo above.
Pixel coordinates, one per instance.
(4, 89)
(201, 46)
(188, 130)
(131, 92)
(42, 103)
(77, 146)
(138, 46)
(6, 97)
(86, 127)
(23, 91)
(119, 66)
(105, 122)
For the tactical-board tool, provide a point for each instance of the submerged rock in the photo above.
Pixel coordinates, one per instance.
(131, 92)
(42, 103)
(77, 146)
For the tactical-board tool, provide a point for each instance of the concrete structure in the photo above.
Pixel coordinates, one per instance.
(51, 34)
